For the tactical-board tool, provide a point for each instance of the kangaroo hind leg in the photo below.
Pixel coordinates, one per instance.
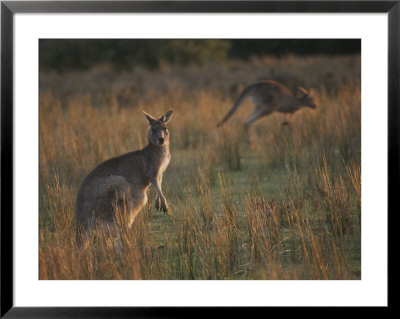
(259, 112)
(119, 194)
(136, 203)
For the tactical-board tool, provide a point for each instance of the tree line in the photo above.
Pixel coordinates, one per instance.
(67, 54)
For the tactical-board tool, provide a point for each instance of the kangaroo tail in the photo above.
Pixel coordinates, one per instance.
(238, 102)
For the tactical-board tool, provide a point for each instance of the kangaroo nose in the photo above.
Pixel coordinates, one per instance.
(161, 140)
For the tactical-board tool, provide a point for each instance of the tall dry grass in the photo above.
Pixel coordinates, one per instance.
(282, 202)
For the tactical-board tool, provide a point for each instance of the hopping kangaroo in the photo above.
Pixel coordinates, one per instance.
(270, 96)
(123, 182)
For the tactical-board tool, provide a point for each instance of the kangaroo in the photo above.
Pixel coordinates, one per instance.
(270, 96)
(123, 182)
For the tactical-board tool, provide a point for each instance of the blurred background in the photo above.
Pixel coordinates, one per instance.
(62, 55)
(124, 71)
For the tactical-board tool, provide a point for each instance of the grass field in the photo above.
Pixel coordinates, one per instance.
(281, 202)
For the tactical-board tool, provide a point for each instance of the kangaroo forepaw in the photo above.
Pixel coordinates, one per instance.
(161, 206)
(164, 207)
(158, 204)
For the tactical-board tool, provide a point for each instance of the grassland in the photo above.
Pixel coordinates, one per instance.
(281, 202)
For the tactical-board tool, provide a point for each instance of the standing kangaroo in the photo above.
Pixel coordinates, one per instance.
(123, 182)
(270, 96)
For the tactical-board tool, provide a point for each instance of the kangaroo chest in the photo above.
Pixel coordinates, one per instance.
(164, 162)
(159, 163)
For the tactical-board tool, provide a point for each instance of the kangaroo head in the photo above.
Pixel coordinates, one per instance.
(305, 98)
(158, 131)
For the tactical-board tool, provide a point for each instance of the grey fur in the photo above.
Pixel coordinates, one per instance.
(124, 181)
(270, 96)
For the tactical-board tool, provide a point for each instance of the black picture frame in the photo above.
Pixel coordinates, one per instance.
(9, 8)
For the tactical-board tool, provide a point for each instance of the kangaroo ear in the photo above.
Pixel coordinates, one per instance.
(166, 117)
(302, 91)
(149, 118)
